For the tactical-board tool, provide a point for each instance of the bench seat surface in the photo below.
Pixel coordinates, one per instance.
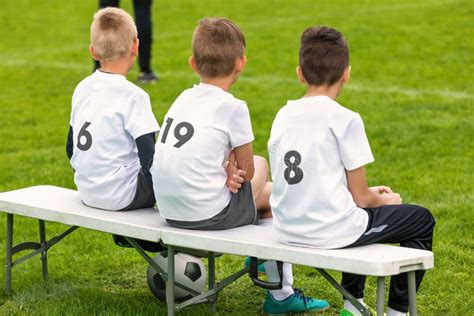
(64, 206)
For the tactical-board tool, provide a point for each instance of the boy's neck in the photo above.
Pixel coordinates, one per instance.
(223, 83)
(330, 91)
(120, 66)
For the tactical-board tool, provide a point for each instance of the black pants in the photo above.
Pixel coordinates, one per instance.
(410, 225)
(142, 10)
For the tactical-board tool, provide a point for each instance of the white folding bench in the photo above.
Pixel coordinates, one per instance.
(50, 203)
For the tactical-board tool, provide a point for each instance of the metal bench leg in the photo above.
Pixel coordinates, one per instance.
(44, 253)
(170, 282)
(212, 281)
(9, 255)
(361, 308)
(380, 295)
(412, 293)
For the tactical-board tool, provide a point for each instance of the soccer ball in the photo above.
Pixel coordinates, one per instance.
(188, 271)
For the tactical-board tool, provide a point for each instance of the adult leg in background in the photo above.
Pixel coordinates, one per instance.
(108, 3)
(143, 21)
(410, 225)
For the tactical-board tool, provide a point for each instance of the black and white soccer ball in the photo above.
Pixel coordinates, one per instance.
(189, 271)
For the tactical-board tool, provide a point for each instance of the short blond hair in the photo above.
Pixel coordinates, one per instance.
(112, 33)
(217, 44)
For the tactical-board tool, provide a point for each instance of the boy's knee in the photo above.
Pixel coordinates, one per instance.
(427, 216)
(259, 160)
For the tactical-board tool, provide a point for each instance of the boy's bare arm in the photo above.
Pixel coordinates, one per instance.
(369, 197)
(244, 159)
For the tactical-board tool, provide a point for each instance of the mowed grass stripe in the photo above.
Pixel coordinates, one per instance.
(443, 93)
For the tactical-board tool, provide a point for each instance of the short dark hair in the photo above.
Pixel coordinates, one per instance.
(217, 43)
(324, 55)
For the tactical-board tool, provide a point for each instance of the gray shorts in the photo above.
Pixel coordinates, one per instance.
(144, 196)
(240, 211)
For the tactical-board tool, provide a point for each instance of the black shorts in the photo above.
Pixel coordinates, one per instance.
(240, 211)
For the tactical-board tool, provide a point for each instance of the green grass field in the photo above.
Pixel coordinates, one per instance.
(412, 82)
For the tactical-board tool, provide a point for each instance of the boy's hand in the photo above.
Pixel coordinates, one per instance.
(381, 189)
(234, 181)
(389, 197)
(392, 198)
(235, 176)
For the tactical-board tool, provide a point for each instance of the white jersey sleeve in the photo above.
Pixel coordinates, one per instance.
(138, 116)
(239, 126)
(353, 144)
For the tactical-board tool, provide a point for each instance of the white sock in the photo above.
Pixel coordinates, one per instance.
(351, 308)
(273, 276)
(272, 271)
(394, 312)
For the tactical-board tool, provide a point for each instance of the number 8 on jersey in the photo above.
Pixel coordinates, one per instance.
(293, 174)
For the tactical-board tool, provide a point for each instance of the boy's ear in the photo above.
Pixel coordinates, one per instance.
(346, 75)
(135, 45)
(93, 53)
(192, 63)
(240, 64)
(299, 73)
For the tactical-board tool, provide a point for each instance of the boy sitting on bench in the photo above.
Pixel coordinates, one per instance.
(318, 150)
(205, 126)
(111, 139)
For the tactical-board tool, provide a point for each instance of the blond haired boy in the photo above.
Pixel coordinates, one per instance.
(112, 130)
(205, 126)
(318, 150)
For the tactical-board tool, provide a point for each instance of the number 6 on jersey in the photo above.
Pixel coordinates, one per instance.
(86, 136)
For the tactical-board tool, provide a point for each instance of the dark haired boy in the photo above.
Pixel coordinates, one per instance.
(205, 126)
(318, 150)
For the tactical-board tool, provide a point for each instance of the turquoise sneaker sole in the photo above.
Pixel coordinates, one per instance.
(295, 304)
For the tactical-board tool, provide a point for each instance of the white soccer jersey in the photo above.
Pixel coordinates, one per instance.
(108, 114)
(313, 142)
(199, 130)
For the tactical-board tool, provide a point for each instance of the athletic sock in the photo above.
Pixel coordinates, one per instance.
(272, 271)
(394, 312)
(351, 308)
(273, 276)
